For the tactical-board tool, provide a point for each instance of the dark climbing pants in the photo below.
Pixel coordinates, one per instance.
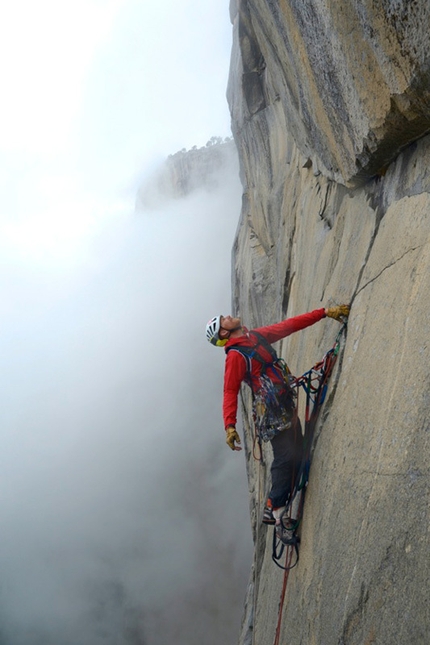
(287, 456)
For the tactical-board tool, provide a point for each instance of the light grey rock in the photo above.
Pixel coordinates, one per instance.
(323, 96)
(352, 78)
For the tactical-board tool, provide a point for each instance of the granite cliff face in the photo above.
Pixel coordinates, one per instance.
(330, 107)
(188, 171)
(349, 81)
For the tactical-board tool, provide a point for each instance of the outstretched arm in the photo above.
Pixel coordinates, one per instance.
(282, 329)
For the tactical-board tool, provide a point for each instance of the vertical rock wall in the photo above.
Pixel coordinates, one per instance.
(330, 109)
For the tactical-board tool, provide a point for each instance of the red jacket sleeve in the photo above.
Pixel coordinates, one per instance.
(272, 333)
(234, 373)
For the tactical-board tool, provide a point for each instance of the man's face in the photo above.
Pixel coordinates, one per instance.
(229, 323)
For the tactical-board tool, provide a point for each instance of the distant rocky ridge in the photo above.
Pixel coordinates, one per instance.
(330, 107)
(189, 170)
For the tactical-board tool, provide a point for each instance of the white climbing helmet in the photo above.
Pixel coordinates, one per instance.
(212, 332)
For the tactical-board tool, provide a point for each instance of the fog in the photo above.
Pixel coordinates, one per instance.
(124, 515)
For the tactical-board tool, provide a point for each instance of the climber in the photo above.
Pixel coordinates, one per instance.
(251, 359)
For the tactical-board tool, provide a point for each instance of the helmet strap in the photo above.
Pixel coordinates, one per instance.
(230, 331)
(227, 330)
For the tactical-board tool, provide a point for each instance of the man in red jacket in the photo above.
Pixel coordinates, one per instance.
(251, 359)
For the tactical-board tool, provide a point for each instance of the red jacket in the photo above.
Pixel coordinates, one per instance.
(235, 363)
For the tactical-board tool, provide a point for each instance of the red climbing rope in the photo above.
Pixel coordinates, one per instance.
(288, 558)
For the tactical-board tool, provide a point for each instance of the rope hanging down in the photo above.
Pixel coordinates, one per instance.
(315, 384)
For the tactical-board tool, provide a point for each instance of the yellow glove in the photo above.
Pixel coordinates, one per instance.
(342, 311)
(232, 437)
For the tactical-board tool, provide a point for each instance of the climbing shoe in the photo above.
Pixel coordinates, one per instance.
(268, 515)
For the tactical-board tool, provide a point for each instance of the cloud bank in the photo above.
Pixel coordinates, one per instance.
(125, 517)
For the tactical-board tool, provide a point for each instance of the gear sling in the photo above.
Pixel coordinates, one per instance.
(273, 402)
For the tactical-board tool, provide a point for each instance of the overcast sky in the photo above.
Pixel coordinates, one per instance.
(111, 397)
(95, 92)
